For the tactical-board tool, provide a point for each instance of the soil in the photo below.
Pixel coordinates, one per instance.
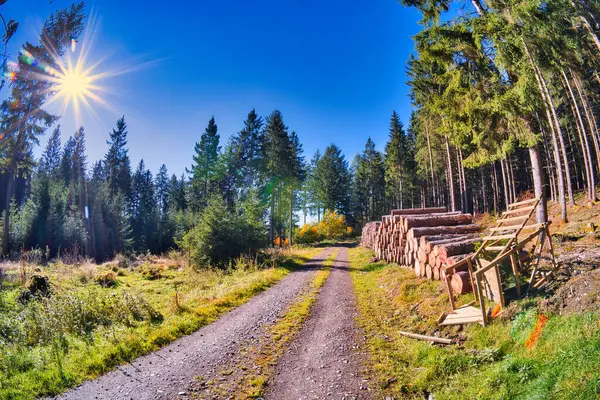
(173, 371)
(324, 361)
(579, 294)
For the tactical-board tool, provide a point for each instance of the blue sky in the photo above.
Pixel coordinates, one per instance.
(336, 70)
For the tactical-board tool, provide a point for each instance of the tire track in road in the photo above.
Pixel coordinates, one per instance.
(324, 361)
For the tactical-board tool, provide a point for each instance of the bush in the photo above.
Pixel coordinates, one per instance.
(332, 226)
(152, 271)
(221, 235)
(309, 233)
(107, 280)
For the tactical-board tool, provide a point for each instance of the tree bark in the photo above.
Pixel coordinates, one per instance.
(450, 177)
(581, 130)
(433, 189)
(538, 183)
(442, 230)
(589, 116)
(559, 171)
(6, 232)
(291, 215)
(559, 134)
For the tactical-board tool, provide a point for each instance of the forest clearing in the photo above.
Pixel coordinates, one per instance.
(423, 222)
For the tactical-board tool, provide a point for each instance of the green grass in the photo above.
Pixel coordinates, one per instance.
(83, 330)
(493, 363)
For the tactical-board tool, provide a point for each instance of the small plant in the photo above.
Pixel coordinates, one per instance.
(122, 261)
(152, 271)
(37, 286)
(107, 280)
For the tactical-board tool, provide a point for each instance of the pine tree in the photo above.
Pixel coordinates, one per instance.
(50, 162)
(247, 158)
(204, 170)
(333, 180)
(396, 163)
(143, 209)
(370, 183)
(297, 175)
(117, 165)
(276, 152)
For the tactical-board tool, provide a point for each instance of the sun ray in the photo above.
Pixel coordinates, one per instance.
(77, 83)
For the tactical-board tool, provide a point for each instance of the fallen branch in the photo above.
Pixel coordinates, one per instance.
(425, 337)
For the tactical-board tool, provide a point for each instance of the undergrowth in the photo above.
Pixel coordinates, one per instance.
(95, 319)
(493, 363)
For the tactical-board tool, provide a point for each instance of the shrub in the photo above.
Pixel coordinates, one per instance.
(152, 271)
(281, 243)
(308, 233)
(333, 225)
(107, 280)
(221, 235)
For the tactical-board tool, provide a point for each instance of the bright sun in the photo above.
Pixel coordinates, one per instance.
(74, 84)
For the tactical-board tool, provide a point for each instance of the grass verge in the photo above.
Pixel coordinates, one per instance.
(85, 327)
(249, 380)
(493, 363)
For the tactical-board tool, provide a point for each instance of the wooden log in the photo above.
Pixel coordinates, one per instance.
(416, 211)
(446, 219)
(452, 249)
(442, 230)
(436, 273)
(417, 268)
(450, 261)
(427, 338)
(428, 271)
(461, 283)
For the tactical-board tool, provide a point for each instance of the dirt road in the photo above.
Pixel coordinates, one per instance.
(171, 371)
(324, 362)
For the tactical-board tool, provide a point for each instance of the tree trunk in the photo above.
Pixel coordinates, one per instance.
(588, 27)
(450, 177)
(507, 198)
(590, 118)
(442, 230)
(581, 130)
(433, 189)
(10, 173)
(538, 183)
(511, 179)
(272, 218)
(496, 189)
(450, 219)
(557, 162)
(291, 215)
(560, 138)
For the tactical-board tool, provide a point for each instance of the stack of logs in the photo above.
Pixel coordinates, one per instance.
(426, 240)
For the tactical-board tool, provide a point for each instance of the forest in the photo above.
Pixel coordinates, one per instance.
(504, 101)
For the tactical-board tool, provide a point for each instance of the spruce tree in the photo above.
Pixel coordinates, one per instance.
(50, 162)
(204, 169)
(117, 166)
(333, 180)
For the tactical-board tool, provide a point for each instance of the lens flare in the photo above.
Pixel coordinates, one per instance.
(75, 81)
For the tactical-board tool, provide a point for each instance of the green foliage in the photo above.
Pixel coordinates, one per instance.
(220, 235)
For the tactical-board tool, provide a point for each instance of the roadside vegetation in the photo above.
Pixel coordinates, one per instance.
(61, 324)
(529, 351)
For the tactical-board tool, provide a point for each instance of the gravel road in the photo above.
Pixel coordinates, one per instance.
(170, 372)
(324, 360)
